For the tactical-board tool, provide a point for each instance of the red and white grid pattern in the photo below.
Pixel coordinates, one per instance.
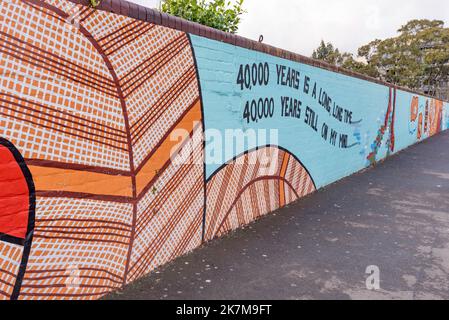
(10, 258)
(169, 216)
(48, 66)
(93, 89)
(88, 235)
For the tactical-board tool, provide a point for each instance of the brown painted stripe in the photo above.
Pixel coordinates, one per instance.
(7, 283)
(249, 185)
(80, 10)
(166, 191)
(77, 167)
(136, 36)
(64, 180)
(59, 120)
(64, 61)
(41, 232)
(32, 60)
(58, 61)
(38, 236)
(52, 183)
(188, 235)
(151, 58)
(243, 174)
(167, 134)
(83, 196)
(226, 226)
(286, 159)
(267, 196)
(158, 60)
(165, 232)
(121, 36)
(165, 149)
(106, 222)
(57, 130)
(115, 34)
(102, 39)
(311, 187)
(72, 70)
(301, 179)
(219, 200)
(45, 286)
(254, 200)
(58, 276)
(5, 294)
(137, 83)
(224, 191)
(44, 10)
(150, 184)
(85, 16)
(74, 116)
(162, 196)
(254, 175)
(65, 295)
(165, 101)
(79, 268)
(57, 228)
(54, 120)
(7, 272)
(239, 212)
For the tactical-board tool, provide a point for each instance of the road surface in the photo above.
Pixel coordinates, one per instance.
(394, 216)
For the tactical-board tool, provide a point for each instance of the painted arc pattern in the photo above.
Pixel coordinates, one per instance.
(101, 186)
(251, 186)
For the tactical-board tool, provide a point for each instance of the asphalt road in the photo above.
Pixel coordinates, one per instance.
(394, 216)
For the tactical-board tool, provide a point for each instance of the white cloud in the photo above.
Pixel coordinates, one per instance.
(299, 25)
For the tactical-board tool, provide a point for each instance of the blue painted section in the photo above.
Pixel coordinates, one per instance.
(446, 116)
(224, 104)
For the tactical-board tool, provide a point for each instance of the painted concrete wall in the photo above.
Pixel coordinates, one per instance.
(104, 172)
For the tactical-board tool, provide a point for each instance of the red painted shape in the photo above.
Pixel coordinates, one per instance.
(14, 196)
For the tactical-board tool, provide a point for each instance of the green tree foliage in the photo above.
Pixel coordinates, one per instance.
(328, 53)
(417, 58)
(94, 3)
(218, 14)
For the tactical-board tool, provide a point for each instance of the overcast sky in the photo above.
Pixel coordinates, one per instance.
(299, 25)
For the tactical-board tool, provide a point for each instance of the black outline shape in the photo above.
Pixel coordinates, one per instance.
(26, 243)
(260, 148)
(10, 239)
(195, 62)
(223, 166)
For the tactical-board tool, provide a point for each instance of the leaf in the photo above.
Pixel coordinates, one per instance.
(219, 14)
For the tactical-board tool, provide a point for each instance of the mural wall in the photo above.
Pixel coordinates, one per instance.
(125, 144)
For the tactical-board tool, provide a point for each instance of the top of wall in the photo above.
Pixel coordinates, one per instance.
(139, 12)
